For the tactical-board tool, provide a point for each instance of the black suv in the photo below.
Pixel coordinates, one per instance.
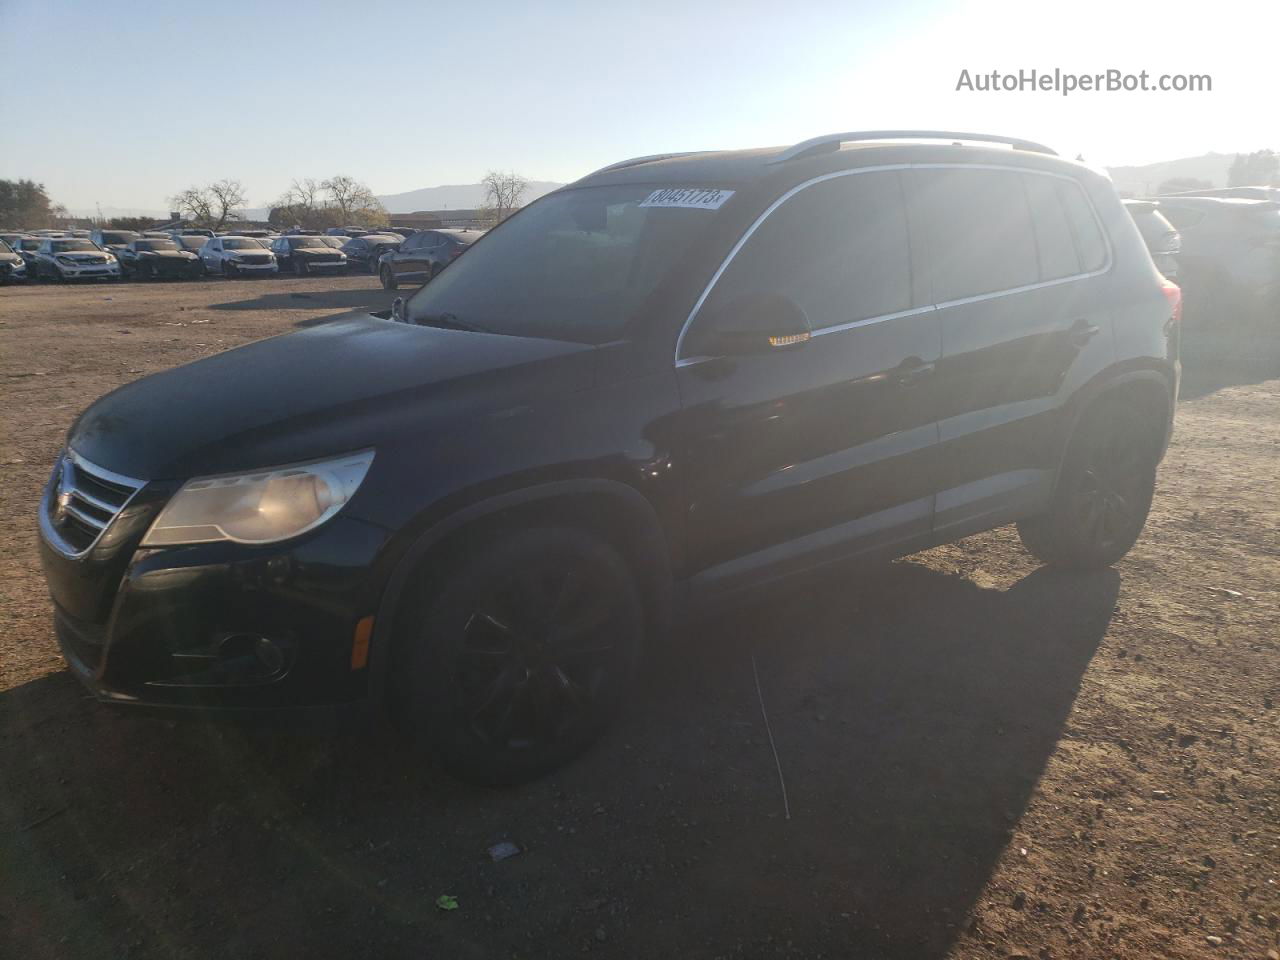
(663, 387)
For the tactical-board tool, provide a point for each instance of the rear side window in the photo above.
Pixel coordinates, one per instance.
(978, 232)
(1090, 245)
(838, 249)
(1054, 239)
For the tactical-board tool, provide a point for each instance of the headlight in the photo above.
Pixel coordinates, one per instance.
(68, 261)
(260, 507)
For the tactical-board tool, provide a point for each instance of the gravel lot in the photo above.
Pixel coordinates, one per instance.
(983, 759)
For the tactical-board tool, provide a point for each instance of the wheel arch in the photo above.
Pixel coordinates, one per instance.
(617, 512)
(1149, 389)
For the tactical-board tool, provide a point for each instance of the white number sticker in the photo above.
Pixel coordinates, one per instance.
(693, 198)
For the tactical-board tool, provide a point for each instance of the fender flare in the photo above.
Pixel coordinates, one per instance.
(651, 543)
(1098, 388)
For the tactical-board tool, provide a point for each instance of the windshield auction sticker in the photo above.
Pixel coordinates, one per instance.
(692, 198)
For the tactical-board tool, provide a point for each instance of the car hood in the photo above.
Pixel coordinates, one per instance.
(315, 251)
(352, 383)
(80, 254)
(180, 254)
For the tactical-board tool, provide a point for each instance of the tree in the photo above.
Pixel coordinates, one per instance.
(25, 203)
(335, 202)
(502, 194)
(1261, 168)
(1183, 185)
(213, 205)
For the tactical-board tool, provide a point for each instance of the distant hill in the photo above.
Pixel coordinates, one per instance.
(1141, 181)
(453, 197)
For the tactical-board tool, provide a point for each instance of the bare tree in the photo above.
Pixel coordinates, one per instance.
(352, 200)
(301, 206)
(213, 205)
(503, 192)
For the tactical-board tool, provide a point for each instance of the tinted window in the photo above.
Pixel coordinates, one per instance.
(1054, 239)
(575, 265)
(1089, 243)
(306, 242)
(978, 232)
(64, 246)
(155, 245)
(117, 236)
(838, 249)
(240, 243)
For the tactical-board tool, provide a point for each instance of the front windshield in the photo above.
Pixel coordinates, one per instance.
(332, 241)
(156, 245)
(118, 236)
(194, 243)
(576, 265)
(306, 242)
(72, 246)
(5, 248)
(240, 243)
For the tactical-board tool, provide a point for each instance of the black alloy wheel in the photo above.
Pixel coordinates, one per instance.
(1104, 492)
(522, 654)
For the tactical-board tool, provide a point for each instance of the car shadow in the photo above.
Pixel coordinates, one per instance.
(370, 298)
(912, 711)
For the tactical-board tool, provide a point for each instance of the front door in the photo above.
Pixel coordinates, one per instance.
(817, 451)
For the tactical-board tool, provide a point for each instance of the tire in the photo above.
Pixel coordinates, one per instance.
(1104, 492)
(432, 272)
(142, 272)
(387, 278)
(300, 266)
(229, 270)
(519, 655)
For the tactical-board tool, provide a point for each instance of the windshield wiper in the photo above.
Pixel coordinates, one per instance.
(450, 321)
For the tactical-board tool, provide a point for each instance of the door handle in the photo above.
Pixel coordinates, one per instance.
(1082, 331)
(912, 370)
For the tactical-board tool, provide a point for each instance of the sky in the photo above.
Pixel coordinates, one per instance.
(125, 104)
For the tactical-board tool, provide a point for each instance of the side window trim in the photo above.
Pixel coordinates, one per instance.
(681, 361)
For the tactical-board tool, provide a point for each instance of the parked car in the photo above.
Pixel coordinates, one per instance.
(12, 267)
(366, 251)
(304, 255)
(403, 231)
(1239, 193)
(27, 247)
(347, 231)
(64, 258)
(687, 377)
(113, 240)
(1161, 237)
(236, 257)
(191, 242)
(150, 257)
(1230, 257)
(422, 256)
(192, 232)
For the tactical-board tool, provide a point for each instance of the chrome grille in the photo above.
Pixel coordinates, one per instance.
(86, 499)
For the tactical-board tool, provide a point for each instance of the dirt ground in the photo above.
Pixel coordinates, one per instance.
(982, 758)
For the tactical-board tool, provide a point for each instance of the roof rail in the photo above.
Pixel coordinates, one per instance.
(831, 142)
(636, 161)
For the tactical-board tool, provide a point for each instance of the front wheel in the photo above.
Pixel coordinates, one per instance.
(388, 278)
(299, 266)
(1104, 493)
(520, 653)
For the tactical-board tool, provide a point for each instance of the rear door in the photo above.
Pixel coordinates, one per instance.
(810, 453)
(1013, 259)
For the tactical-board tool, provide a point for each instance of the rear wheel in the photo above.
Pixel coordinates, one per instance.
(1104, 492)
(520, 654)
(388, 278)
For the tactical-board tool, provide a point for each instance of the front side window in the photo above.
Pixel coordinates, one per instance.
(575, 265)
(978, 233)
(837, 249)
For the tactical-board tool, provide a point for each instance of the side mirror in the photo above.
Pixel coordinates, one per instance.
(397, 310)
(756, 323)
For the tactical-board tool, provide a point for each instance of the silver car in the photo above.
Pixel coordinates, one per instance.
(237, 257)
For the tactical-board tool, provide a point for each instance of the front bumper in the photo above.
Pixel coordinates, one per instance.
(336, 266)
(95, 270)
(240, 267)
(214, 626)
